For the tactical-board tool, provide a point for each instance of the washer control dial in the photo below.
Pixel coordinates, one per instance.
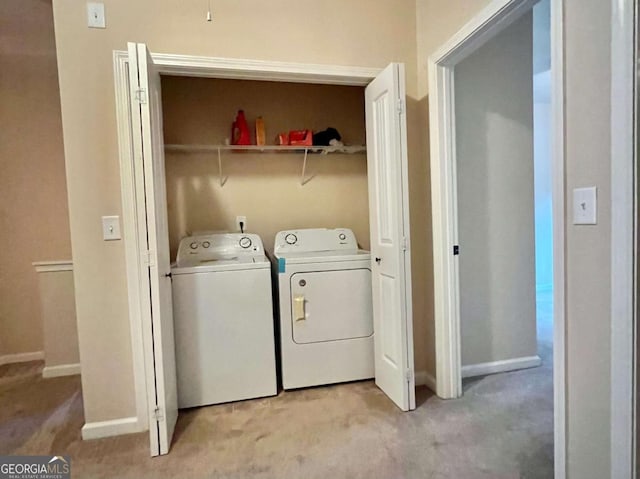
(245, 242)
(194, 245)
(206, 244)
(291, 238)
(342, 236)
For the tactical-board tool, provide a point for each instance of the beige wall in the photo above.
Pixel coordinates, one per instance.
(57, 303)
(494, 148)
(33, 199)
(362, 33)
(587, 111)
(263, 187)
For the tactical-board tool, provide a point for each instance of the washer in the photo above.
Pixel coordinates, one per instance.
(326, 319)
(223, 320)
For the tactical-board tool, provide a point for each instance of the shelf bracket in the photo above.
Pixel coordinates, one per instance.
(303, 179)
(223, 180)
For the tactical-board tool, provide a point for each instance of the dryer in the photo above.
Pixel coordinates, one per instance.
(223, 320)
(326, 318)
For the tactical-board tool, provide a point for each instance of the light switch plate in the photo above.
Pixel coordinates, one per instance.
(111, 228)
(585, 206)
(95, 15)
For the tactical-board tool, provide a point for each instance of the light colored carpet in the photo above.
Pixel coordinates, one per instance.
(501, 429)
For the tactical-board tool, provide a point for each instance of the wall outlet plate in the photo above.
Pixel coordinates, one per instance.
(111, 228)
(585, 206)
(95, 15)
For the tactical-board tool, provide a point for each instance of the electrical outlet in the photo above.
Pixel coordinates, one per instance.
(243, 220)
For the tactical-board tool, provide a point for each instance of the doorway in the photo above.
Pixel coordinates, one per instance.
(142, 152)
(450, 275)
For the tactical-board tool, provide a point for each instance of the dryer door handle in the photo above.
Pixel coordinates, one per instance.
(298, 307)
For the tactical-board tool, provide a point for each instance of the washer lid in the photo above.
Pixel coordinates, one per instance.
(212, 266)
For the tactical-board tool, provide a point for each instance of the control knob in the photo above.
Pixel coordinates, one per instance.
(291, 238)
(245, 242)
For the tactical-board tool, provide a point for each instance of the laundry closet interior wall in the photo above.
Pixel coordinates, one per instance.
(263, 186)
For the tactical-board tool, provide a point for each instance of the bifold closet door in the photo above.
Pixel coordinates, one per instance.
(389, 225)
(146, 108)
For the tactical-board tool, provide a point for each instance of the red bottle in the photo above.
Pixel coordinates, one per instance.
(240, 130)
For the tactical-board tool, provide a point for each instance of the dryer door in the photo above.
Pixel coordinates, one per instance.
(331, 305)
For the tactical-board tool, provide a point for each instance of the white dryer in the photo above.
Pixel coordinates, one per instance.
(326, 319)
(223, 320)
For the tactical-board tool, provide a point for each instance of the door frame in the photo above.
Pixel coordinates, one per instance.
(488, 23)
(624, 267)
(132, 181)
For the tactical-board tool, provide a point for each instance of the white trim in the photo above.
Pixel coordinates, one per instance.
(503, 366)
(623, 101)
(558, 126)
(489, 22)
(136, 281)
(21, 357)
(424, 378)
(242, 69)
(115, 427)
(132, 181)
(53, 266)
(61, 370)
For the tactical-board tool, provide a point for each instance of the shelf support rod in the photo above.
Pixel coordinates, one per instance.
(304, 167)
(220, 168)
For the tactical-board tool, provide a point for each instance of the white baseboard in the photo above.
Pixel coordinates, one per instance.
(115, 427)
(423, 378)
(21, 357)
(61, 370)
(503, 366)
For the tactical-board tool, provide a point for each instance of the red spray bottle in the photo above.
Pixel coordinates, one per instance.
(240, 130)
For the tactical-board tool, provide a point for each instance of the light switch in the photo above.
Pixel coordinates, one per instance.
(95, 15)
(585, 206)
(111, 228)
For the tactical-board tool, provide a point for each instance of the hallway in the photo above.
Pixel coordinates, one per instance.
(501, 429)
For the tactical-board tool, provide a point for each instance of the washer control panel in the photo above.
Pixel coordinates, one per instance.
(315, 240)
(219, 246)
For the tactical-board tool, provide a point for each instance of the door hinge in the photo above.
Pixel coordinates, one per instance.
(408, 374)
(141, 95)
(147, 258)
(405, 243)
(400, 106)
(157, 414)
(456, 250)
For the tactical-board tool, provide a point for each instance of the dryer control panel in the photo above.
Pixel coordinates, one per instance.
(315, 240)
(219, 246)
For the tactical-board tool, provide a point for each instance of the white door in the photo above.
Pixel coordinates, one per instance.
(389, 225)
(146, 106)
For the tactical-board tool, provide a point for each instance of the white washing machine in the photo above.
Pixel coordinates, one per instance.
(326, 319)
(223, 320)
